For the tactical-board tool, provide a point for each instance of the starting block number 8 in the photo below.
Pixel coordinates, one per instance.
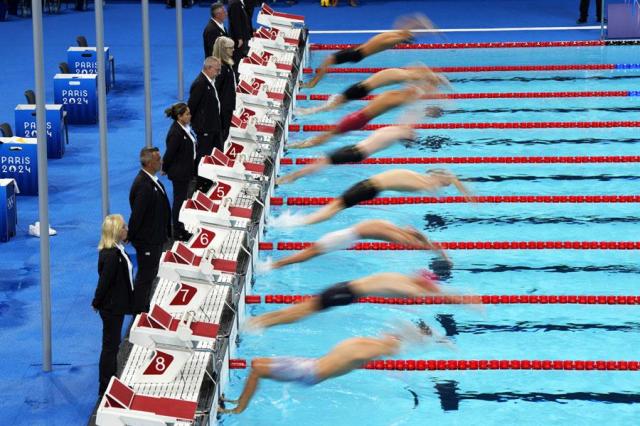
(159, 364)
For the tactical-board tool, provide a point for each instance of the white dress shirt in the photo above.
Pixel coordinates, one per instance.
(129, 265)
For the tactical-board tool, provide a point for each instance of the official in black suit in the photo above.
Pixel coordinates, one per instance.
(149, 224)
(239, 29)
(114, 294)
(215, 28)
(179, 161)
(226, 83)
(204, 104)
(249, 6)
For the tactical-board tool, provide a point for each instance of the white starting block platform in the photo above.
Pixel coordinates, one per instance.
(279, 38)
(270, 18)
(247, 123)
(219, 165)
(284, 61)
(181, 262)
(202, 210)
(265, 92)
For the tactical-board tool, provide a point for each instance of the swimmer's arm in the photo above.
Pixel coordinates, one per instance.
(437, 247)
(320, 72)
(301, 256)
(314, 141)
(464, 191)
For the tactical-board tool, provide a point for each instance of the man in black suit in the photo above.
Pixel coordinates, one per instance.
(239, 29)
(149, 224)
(204, 105)
(249, 6)
(215, 28)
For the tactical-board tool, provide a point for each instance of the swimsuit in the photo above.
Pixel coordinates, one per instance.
(337, 295)
(348, 154)
(354, 121)
(337, 240)
(357, 91)
(347, 55)
(294, 369)
(361, 191)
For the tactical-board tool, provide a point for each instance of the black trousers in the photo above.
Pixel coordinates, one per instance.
(584, 9)
(148, 258)
(206, 143)
(225, 121)
(180, 193)
(111, 331)
(240, 53)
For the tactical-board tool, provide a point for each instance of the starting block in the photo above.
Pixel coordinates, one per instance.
(206, 210)
(266, 92)
(270, 18)
(121, 405)
(281, 39)
(246, 123)
(159, 328)
(163, 366)
(218, 165)
(181, 262)
(188, 296)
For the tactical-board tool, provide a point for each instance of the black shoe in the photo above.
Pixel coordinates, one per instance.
(600, 20)
(581, 21)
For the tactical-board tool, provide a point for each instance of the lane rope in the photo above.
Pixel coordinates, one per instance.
(489, 45)
(469, 245)
(487, 68)
(493, 364)
(487, 299)
(573, 199)
(482, 125)
(494, 95)
(479, 160)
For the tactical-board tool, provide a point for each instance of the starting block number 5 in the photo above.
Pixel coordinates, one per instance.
(159, 364)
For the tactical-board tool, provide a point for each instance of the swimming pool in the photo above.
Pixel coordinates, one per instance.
(505, 331)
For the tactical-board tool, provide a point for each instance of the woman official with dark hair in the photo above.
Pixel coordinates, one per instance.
(114, 294)
(226, 83)
(179, 161)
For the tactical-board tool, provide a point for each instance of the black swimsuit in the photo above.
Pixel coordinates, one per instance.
(348, 154)
(361, 191)
(347, 55)
(357, 91)
(337, 295)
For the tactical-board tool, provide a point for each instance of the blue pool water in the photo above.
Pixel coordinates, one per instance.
(503, 331)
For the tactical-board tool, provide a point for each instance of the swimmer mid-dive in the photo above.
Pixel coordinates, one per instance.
(345, 293)
(379, 140)
(375, 44)
(377, 106)
(393, 180)
(380, 79)
(346, 356)
(368, 229)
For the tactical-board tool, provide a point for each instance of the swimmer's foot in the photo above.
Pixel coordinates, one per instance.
(228, 410)
(224, 399)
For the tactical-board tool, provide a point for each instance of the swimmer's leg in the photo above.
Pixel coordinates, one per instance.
(384, 41)
(325, 212)
(285, 316)
(301, 256)
(389, 284)
(306, 170)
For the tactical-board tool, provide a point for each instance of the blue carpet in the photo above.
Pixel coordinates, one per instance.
(67, 395)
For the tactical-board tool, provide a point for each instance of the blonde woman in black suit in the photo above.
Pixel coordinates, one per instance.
(114, 294)
(179, 161)
(226, 83)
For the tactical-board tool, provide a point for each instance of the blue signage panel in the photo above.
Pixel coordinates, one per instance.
(8, 209)
(26, 127)
(78, 93)
(83, 60)
(19, 161)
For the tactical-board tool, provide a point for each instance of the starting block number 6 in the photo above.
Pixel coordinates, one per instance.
(159, 364)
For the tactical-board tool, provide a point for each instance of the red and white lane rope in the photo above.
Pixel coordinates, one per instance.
(481, 160)
(484, 199)
(470, 245)
(482, 125)
(494, 95)
(487, 299)
(480, 364)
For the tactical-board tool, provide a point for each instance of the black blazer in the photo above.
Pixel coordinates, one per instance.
(225, 84)
(150, 220)
(178, 162)
(205, 115)
(249, 6)
(113, 293)
(239, 23)
(211, 32)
